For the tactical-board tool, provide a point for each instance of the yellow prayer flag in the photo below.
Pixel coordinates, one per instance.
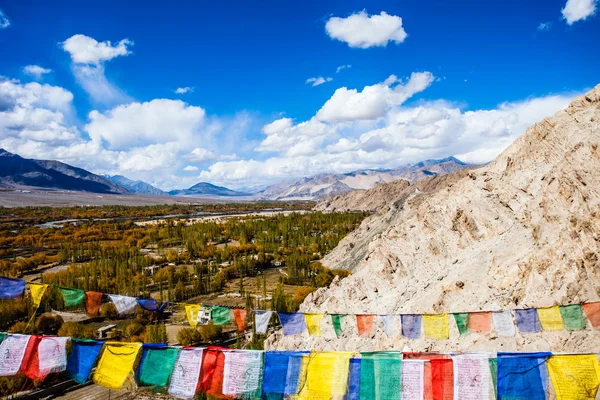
(37, 292)
(436, 326)
(326, 376)
(550, 318)
(313, 323)
(574, 377)
(192, 311)
(115, 364)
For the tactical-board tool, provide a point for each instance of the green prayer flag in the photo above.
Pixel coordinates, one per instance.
(461, 322)
(72, 297)
(336, 319)
(494, 371)
(156, 366)
(220, 315)
(2, 336)
(572, 317)
(381, 375)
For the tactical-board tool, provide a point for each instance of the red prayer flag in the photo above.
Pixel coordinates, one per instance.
(427, 370)
(365, 324)
(240, 319)
(592, 310)
(442, 379)
(211, 377)
(30, 366)
(480, 322)
(92, 303)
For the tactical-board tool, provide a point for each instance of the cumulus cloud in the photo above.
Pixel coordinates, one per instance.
(544, 26)
(190, 168)
(341, 67)
(200, 155)
(184, 90)
(4, 21)
(318, 81)
(363, 30)
(36, 71)
(577, 10)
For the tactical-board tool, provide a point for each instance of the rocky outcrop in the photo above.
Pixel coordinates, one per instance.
(523, 231)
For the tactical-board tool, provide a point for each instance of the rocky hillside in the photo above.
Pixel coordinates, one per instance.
(523, 231)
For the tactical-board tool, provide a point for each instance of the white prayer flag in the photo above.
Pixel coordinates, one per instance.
(186, 373)
(472, 376)
(390, 322)
(504, 324)
(261, 320)
(124, 304)
(52, 354)
(12, 351)
(204, 316)
(413, 372)
(242, 372)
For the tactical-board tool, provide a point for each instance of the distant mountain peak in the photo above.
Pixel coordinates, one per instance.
(138, 187)
(207, 189)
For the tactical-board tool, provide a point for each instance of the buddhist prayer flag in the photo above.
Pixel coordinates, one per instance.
(124, 304)
(572, 317)
(472, 377)
(243, 374)
(282, 369)
(442, 379)
(390, 322)
(413, 372)
(364, 322)
(204, 315)
(336, 321)
(261, 321)
(92, 302)
(462, 320)
(326, 376)
(411, 325)
(186, 373)
(213, 366)
(494, 373)
(12, 351)
(52, 355)
(436, 326)
(191, 311)
(82, 358)
(30, 366)
(240, 319)
(2, 336)
(592, 310)
(116, 363)
(37, 292)
(380, 376)
(550, 318)
(292, 323)
(313, 323)
(156, 364)
(11, 288)
(150, 304)
(522, 376)
(353, 392)
(72, 297)
(480, 322)
(575, 376)
(528, 320)
(503, 323)
(220, 315)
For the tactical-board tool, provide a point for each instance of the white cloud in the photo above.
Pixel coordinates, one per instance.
(4, 21)
(190, 168)
(86, 50)
(200, 155)
(93, 80)
(374, 101)
(36, 71)
(544, 26)
(577, 10)
(363, 31)
(184, 90)
(318, 81)
(341, 67)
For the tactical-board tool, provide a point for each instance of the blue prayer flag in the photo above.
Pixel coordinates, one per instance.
(149, 304)
(528, 320)
(353, 392)
(281, 372)
(293, 323)
(82, 358)
(411, 325)
(522, 376)
(11, 288)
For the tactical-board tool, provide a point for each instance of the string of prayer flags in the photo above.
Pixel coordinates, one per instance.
(239, 314)
(592, 310)
(261, 321)
(353, 391)
(192, 311)
(411, 325)
(413, 372)
(572, 316)
(380, 376)
(116, 363)
(364, 323)
(281, 372)
(550, 318)
(220, 315)
(462, 321)
(390, 322)
(442, 379)
(72, 297)
(243, 373)
(92, 303)
(313, 323)
(186, 373)
(436, 326)
(480, 322)
(156, 364)
(503, 323)
(292, 323)
(11, 288)
(522, 376)
(124, 304)
(336, 321)
(528, 320)
(574, 376)
(472, 377)
(37, 292)
(82, 359)
(12, 351)
(326, 376)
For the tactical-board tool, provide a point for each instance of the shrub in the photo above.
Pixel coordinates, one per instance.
(75, 330)
(49, 324)
(109, 310)
(189, 337)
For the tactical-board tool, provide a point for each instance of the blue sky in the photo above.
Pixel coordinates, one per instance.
(422, 79)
